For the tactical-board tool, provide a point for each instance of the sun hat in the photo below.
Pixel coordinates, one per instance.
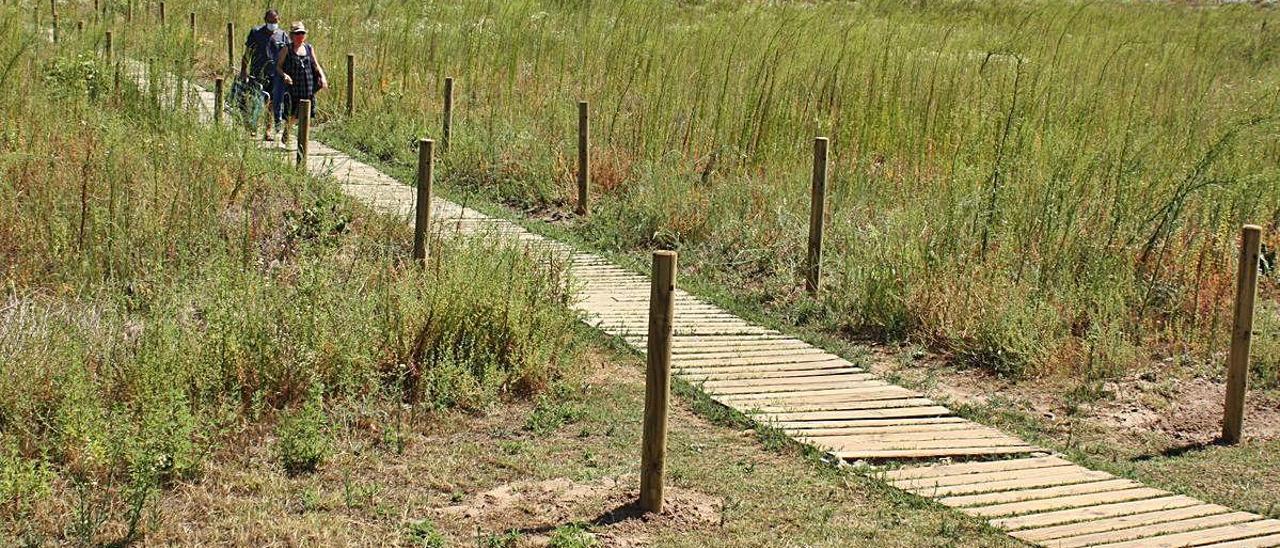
(297, 27)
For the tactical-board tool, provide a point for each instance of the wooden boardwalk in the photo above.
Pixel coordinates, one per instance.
(824, 400)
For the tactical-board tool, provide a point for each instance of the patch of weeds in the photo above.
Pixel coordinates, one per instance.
(424, 533)
(573, 535)
(303, 436)
(512, 447)
(708, 408)
(552, 413)
(504, 540)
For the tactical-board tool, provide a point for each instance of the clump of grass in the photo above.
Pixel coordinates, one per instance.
(303, 438)
(573, 535)
(425, 534)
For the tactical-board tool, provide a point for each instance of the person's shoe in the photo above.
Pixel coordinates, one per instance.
(268, 137)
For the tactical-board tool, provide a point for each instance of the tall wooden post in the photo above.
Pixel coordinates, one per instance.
(584, 160)
(53, 12)
(447, 130)
(422, 207)
(162, 14)
(351, 84)
(304, 131)
(217, 100)
(107, 46)
(191, 22)
(657, 385)
(231, 45)
(1241, 334)
(817, 213)
(128, 11)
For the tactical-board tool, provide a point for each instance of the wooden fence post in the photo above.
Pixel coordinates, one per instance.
(657, 386)
(162, 14)
(351, 84)
(107, 46)
(80, 26)
(231, 45)
(128, 11)
(584, 160)
(422, 207)
(817, 214)
(53, 11)
(217, 100)
(191, 22)
(1241, 334)
(304, 131)
(448, 115)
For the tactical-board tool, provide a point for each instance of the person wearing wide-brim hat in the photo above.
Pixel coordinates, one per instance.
(300, 70)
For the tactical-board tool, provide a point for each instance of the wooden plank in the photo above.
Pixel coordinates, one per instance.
(1133, 533)
(932, 453)
(863, 394)
(1022, 479)
(1093, 512)
(1205, 536)
(1062, 503)
(970, 432)
(920, 472)
(755, 347)
(1042, 493)
(1043, 534)
(697, 377)
(904, 426)
(1256, 542)
(932, 444)
(850, 410)
(776, 359)
(816, 367)
(806, 395)
(900, 423)
(840, 418)
(811, 379)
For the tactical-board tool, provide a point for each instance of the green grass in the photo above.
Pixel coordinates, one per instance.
(169, 289)
(1033, 187)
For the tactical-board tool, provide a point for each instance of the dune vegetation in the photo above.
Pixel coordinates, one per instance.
(1031, 187)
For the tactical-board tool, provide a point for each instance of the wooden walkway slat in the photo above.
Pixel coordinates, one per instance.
(1093, 512)
(1049, 533)
(1204, 536)
(1062, 503)
(1134, 533)
(1041, 493)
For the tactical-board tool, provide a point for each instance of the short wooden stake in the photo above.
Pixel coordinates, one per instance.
(422, 208)
(1241, 334)
(95, 10)
(128, 12)
(817, 213)
(657, 386)
(584, 160)
(231, 44)
(217, 100)
(53, 12)
(304, 131)
(448, 115)
(80, 26)
(191, 22)
(351, 84)
(162, 14)
(107, 46)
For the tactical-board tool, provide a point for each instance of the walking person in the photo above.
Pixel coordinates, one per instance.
(301, 73)
(258, 66)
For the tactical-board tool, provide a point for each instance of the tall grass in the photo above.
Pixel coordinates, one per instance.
(1032, 186)
(167, 286)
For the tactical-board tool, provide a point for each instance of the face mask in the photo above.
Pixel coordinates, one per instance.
(273, 26)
